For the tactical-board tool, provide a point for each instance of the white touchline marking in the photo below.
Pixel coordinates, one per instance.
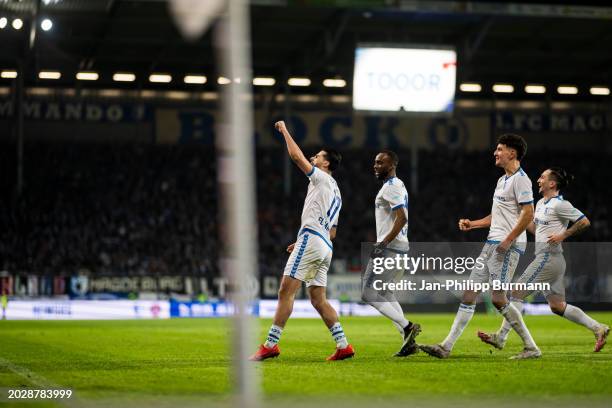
(40, 382)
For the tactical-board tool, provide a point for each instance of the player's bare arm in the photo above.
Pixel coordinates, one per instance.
(290, 247)
(332, 233)
(398, 224)
(294, 150)
(525, 218)
(466, 224)
(578, 227)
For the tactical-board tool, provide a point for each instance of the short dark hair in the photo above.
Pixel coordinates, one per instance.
(561, 177)
(333, 157)
(515, 142)
(392, 155)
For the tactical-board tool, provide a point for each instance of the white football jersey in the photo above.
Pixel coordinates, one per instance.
(392, 195)
(552, 217)
(510, 194)
(322, 205)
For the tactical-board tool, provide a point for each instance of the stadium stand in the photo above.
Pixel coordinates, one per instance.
(137, 209)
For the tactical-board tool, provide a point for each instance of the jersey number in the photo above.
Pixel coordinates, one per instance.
(331, 213)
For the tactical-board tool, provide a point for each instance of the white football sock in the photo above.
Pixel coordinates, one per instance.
(463, 317)
(338, 335)
(505, 328)
(274, 335)
(393, 311)
(514, 317)
(576, 315)
(399, 309)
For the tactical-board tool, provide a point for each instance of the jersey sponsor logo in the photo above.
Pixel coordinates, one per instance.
(501, 198)
(538, 221)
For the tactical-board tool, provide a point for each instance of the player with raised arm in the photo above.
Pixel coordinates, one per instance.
(511, 213)
(391, 210)
(552, 216)
(311, 254)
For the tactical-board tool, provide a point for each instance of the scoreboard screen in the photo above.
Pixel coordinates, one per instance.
(394, 78)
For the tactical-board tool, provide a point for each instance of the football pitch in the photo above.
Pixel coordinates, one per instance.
(185, 362)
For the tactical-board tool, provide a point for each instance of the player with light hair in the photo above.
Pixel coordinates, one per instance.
(511, 213)
(311, 254)
(391, 211)
(550, 226)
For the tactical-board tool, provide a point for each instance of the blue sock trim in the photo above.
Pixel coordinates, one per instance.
(467, 308)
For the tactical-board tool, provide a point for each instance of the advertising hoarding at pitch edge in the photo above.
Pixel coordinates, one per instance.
(87, 309)
(400, 79)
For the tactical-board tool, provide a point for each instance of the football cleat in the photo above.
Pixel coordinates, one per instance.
(492, 339)
(527, 354)
(341, 354)
(408, 351)
(264, 353)
(435, 350)
(409, 346)
(601, 336)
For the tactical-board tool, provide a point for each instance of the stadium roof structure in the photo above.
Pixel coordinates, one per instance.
(519, 43)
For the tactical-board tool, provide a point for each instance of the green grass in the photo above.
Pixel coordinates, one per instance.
(185, 362)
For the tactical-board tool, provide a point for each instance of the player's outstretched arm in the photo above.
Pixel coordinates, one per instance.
(466, 224)
(294, 150)
(525, 218)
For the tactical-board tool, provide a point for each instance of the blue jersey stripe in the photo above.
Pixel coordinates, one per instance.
(318, 234)
(331, 218)
(332, 205)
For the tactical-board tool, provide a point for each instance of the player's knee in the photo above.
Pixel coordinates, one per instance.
(368, 294)
(317, 303)
(285, 293)
(499, 300)
(557, 307)
(469, 297)
(516, 295)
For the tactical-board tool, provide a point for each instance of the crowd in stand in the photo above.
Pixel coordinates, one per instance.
(111, 209)
(134, 210)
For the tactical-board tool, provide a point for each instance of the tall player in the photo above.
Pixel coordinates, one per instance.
(552, 216)
(511, 213)
(311, 254)
(391, 209)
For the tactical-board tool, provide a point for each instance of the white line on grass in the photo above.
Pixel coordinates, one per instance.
(39, 382)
